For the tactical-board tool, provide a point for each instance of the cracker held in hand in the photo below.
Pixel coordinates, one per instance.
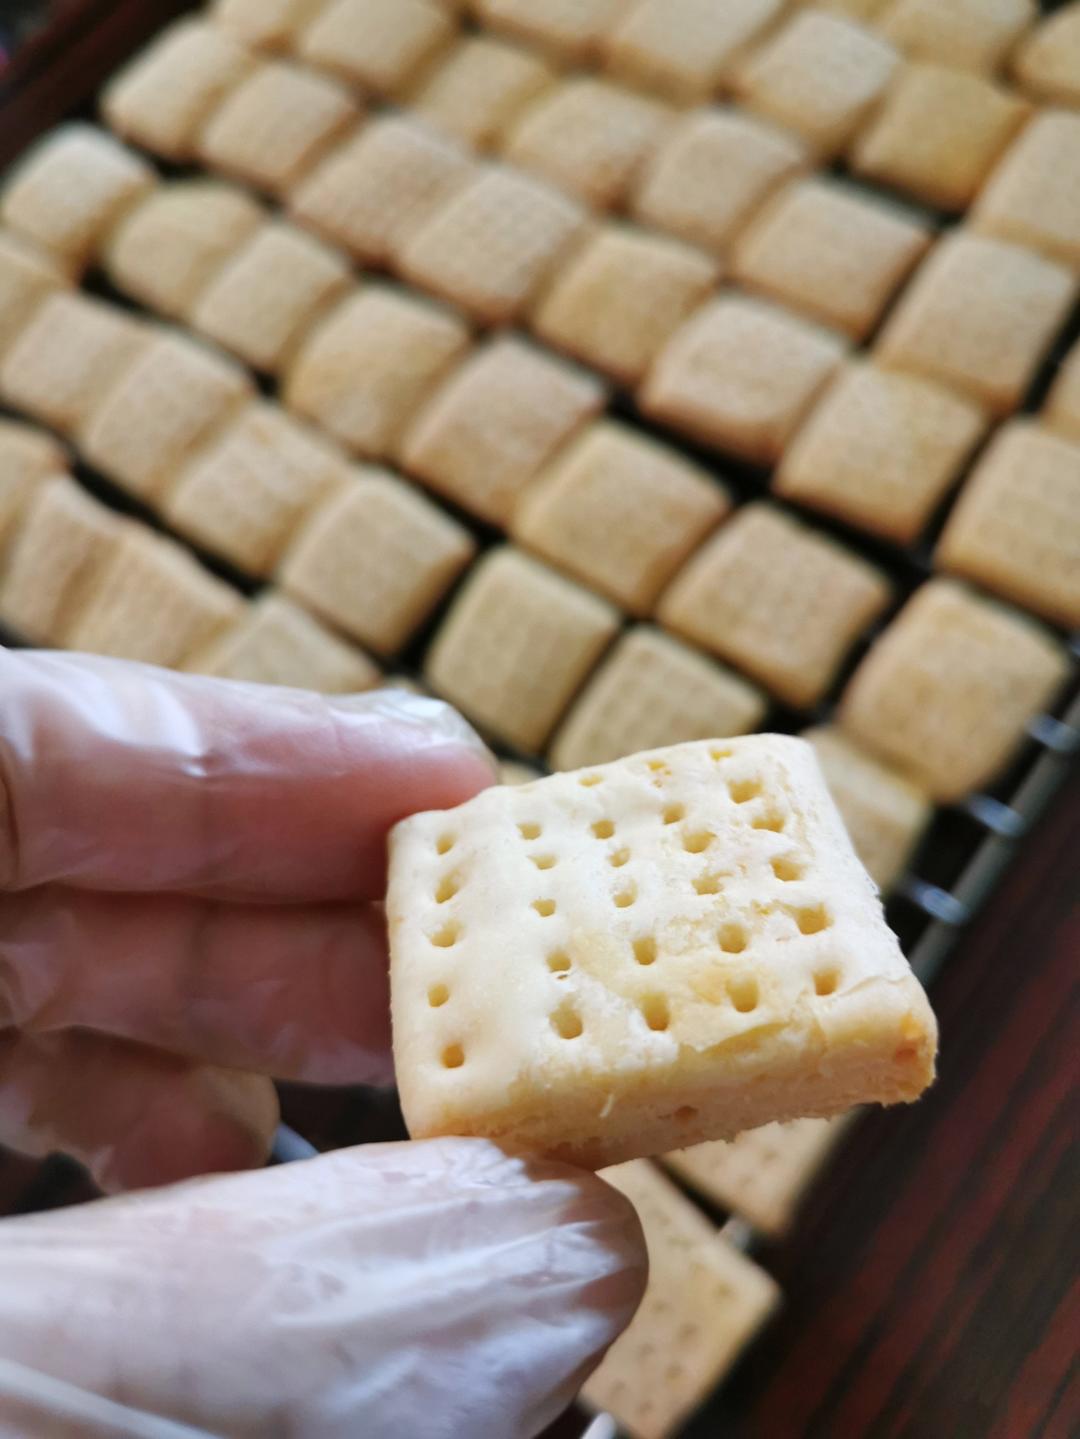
(620, 961)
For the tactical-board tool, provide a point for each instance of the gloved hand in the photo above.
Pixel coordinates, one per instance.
(189, 883)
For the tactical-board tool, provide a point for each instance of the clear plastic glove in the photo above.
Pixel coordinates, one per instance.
(189, 877)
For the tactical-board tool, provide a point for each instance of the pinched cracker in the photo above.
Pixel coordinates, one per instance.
(783, 602)
(1033, 196)
(1047, 63)
(823, 248)
(275, 642)
(883, 813)
(28, 457)
(967, 34)
(619, 512)
(685, 49)
(166, 251)
(938, 134)
(712, 171)
(571, 30)
(617, 300)
(652, 691)
(27, 275)
(164, 404)
(1015, 530)
(615, 962)
(262, 302)
(480, 88)
(516, 645)
(381, 45)
(266, 24)
(880, 450)
(946, 693)
(163, 97)
(1062, 408)
(980, 314)
(704, 1302)
(490, 426)
(375, 559)
(491, 246)
(740, 373)
(363, 372)
(244, 496)
(373, 193)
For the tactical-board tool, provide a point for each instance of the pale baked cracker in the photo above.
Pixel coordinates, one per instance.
(570, 30)
(479, 88)
(273, 25)
(1047, 62)
(380, 45)
(28, 457)
(1033, 195)
(1062, 408)
(966, 34)
(511, 772)
(27, 275)
(685, 49)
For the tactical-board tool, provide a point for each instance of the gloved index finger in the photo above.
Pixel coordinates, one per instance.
(125, 777)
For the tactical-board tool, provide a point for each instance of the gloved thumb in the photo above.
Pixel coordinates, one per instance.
(434, 1290)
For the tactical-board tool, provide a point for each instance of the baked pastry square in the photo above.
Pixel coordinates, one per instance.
(1062, 408)
(28, 457)
(651, 691)
(685, 49)
(272, 25)
(946, 693)
(381, 45)
(619, 297)
(966, 34)
(516, 645)
(938, 134)
(781, 601)
(853, 9)
(27, 275)
(825, 249)
(569, 30)
(880, 450)
(375, 559)
(704, 1302)
(619, 512)
(491, 425)
(710, 174)
(363, 372)
(741, 373)
(980, 314)
(481, 86)
(1033, 196)
(675, 947)
(1015, 530)
(1047, 62)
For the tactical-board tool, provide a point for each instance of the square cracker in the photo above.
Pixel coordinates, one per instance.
(740, 373)
(884, 814)
(491, 246)
(481, 86)
(615, 962)
(63, 537)
(880, 450)
(980, 314)
(620, 512)
(947, 692)
(1061, 411)
(373, 193)
(494, 422)
(651, 690)
(966, 34)
(381, 45)
(65, 358)
(170, 246)
(163, 405)
(1033, 195)
(275, 642)
(71, 189)
(27, 275)
(618, 299)
(762, 1174)
(782, 601)
(938, 134)
(245, 494)
(273, 25)
(823, 248)
(704, 1302)
(363, 372)
(260, 304)
(375, 559)
(163, 97)
(685, 49)
(589, 137)
(274, 125)
(570, 30)
(28, 457)
(819, 75)
(711, 172)
(516, 645)
(150, 601)
(1047, 63)
(1015, 529)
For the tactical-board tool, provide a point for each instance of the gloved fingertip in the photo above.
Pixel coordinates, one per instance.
(434, 721)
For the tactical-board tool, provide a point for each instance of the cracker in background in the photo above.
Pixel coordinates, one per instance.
(27, 458)
(880, 450)
(689, 948)
(517, 643)
(27, 275)
(1033, 196)
(1062, 408)
(1047, 63)
(619, 512)
(375, 559)
(489, 427)
(651, 691)
(783, 602)
(1015, 529)
(967, 34)
(266, 24)
(478, 90)
(381, 45)
(947, 692)
(570, 30)
(685, 49)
